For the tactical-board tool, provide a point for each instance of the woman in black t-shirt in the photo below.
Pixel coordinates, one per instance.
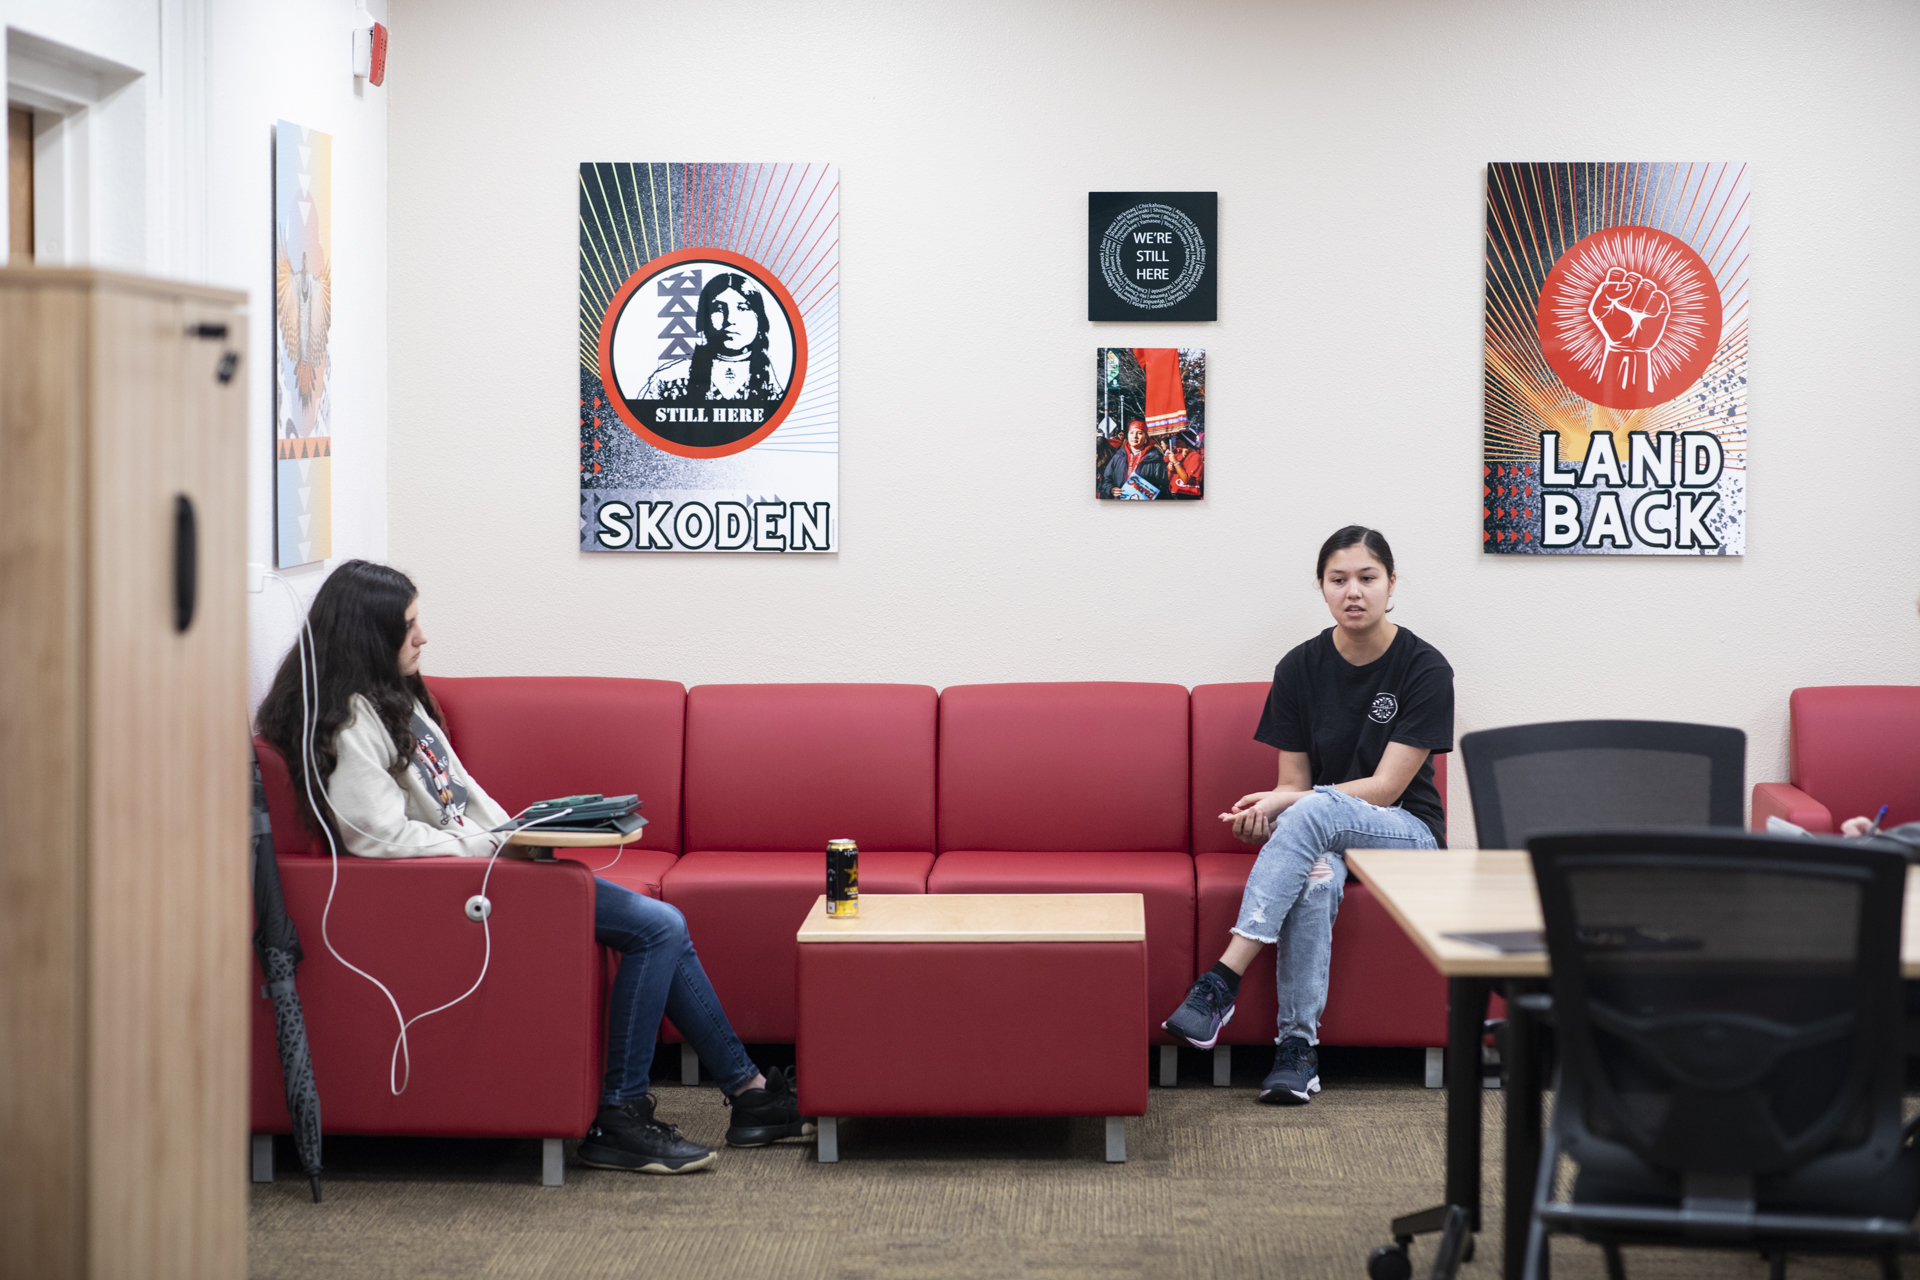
(1355, 713)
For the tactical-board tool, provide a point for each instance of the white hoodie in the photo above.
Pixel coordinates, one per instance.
(433, 809)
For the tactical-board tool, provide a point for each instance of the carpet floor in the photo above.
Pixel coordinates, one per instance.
(1214, 1186)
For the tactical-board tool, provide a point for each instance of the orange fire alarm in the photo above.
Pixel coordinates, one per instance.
(370, 53)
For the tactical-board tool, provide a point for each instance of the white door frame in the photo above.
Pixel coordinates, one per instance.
(80, 101)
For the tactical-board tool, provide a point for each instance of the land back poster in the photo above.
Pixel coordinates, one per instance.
(1616, 359)
(709, 357)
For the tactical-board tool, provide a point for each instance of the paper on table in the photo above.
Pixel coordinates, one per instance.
(1507, 942)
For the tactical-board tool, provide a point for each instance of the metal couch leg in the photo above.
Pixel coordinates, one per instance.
(689, 1065)
(1436, 1062)
(1116, 1139)
(1169, 1066)
(263, 1157)
(1222, 1065)
(553, 1163)
(827, 1140)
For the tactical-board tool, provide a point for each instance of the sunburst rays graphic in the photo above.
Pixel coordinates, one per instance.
(782, 216)
(1535, 214)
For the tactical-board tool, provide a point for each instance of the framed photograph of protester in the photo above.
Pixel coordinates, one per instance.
(1150, 424)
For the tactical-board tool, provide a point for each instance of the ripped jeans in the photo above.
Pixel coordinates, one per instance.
(1293, 893)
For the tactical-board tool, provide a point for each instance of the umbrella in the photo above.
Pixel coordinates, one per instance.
(278, 946)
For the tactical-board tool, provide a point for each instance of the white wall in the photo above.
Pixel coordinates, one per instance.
(1347, 143)
(181, 187)
(292, 60)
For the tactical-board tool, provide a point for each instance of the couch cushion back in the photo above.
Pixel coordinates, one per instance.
(1857, 747)
(788, 767)
(1054, 767)
(1227, 762)
(528, 738)
(290, 832)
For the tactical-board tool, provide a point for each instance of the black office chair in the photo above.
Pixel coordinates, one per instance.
(1593, 774)
(1579, 775)
(1730, 1047)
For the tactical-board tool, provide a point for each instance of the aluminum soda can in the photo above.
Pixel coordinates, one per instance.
(843, 878)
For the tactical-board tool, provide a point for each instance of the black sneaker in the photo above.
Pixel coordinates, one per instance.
(761, 1116)
(1207, 1008)
(1295, 1077)
(629, 1137)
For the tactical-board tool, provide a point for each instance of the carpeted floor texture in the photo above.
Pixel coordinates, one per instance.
(1214, 1186)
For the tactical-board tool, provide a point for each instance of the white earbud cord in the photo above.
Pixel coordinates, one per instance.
(400, 1064)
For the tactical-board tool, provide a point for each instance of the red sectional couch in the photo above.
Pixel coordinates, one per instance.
(1005, 788)
(528, 738)
(1073, 788)
(1381, 990)
(1851, 749)
(519, 1058)
(774, 771)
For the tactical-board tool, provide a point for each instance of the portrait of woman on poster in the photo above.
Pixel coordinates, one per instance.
(1137, 459)
(731, 361)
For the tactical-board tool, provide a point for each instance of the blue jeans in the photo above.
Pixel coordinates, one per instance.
(659, 974)
(1293, 892)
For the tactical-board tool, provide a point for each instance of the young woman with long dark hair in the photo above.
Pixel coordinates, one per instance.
(386, 784)
(731, 362)
(1356, 713)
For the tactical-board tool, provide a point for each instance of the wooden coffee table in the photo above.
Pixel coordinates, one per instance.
(920, 1005)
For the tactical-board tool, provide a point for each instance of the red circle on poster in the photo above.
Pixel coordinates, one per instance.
(1629, 317)
(652, 365)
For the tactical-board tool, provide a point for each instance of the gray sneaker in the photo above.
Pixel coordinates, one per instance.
(1295, 1077)
(1207, 1008)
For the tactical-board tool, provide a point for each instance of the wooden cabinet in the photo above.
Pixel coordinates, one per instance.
(124, 912)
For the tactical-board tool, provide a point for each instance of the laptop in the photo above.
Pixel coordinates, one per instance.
(595, 813)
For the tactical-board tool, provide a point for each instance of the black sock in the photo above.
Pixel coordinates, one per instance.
(1227, 976)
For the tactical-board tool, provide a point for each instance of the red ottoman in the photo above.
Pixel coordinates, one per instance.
(900, 1008)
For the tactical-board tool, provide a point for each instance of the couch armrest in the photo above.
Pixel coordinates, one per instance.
(520, 1057)
(1786, 801)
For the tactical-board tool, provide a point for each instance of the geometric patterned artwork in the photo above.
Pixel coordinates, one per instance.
(709, 357)
(303, 365)
(1616, 360)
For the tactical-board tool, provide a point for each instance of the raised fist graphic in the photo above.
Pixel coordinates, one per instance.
(1631, 312)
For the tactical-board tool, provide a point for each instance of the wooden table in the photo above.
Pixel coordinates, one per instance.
(1434, 892)
(544, 841)
(982, 917)
(905, 1009)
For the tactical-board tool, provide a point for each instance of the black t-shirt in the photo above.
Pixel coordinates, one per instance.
(1344, 716)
